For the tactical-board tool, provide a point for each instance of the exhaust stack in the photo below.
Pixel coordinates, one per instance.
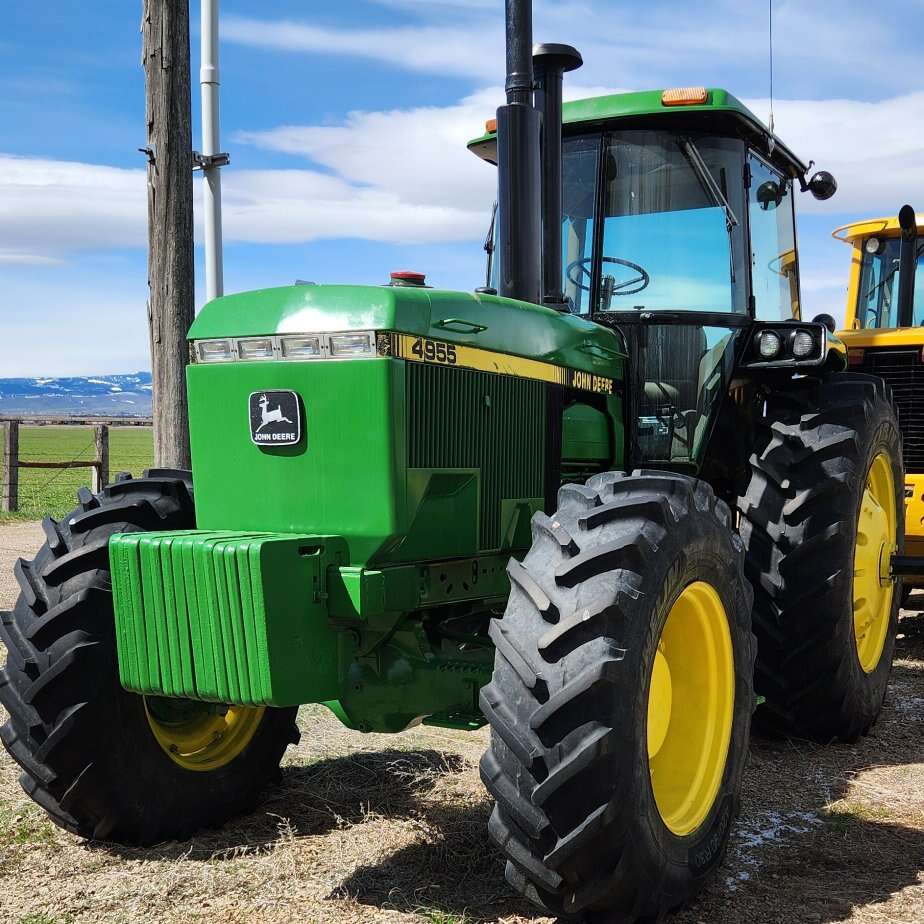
(550, 63)
(907, 263)
(518, 127)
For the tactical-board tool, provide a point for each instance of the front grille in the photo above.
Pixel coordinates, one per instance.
(903, 371)
(461, 419)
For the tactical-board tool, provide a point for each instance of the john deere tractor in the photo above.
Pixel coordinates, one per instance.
(885, 338)
(551, 506)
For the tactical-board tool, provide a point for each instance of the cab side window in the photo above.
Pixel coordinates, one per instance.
(774, 263)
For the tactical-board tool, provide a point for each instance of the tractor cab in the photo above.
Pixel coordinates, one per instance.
(884, 321)
(678, 230)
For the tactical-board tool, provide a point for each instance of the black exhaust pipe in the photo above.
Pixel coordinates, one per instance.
(907, 265)
(550, 63)
(518, 126)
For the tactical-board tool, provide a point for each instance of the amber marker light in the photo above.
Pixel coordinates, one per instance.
(684, 96)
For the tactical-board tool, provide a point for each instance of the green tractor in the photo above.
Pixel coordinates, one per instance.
(551, 506)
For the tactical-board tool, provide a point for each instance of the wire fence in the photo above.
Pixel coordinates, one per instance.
(53, 490)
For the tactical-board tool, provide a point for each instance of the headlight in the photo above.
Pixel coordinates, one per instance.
(215, 351)
(301, 347)
(352, 344)
(872, 245)
(803, 344)
(769, 344)
(345, 345)
(257, 348)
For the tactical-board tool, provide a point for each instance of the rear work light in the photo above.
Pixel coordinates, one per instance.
(684, 96)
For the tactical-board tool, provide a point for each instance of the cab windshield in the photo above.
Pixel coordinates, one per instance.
(877, 300)
(672, 215)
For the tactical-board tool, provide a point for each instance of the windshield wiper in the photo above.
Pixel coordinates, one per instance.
(708, 180)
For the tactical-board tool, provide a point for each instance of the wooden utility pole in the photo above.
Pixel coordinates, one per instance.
(165, 55)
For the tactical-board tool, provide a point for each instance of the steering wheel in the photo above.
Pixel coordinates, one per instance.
(629, 287)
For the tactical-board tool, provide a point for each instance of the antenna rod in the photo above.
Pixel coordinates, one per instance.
(211, 160)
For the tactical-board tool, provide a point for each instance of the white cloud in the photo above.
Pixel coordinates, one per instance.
(417, 154)
(657, 45)
(873, 149)
(435, 49)
(292, 206)
(405, 176)
(52, 207)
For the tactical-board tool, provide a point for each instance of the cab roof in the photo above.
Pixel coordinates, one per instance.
(857, 230)
(721, 110)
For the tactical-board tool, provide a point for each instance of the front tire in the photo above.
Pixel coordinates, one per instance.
(621, 700)
(821, 516)
(103, 762)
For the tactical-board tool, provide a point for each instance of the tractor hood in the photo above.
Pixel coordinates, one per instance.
(381, 414)
(484, 321)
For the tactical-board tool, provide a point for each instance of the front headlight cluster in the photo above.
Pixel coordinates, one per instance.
(788, 345)
(349, 344)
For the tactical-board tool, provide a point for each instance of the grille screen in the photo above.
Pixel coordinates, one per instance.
(903, 371)
(459, 418)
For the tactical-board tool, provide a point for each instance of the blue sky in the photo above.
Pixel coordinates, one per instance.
(346, 124)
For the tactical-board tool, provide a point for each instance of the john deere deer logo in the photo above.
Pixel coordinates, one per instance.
(270, 416)
(275, 418)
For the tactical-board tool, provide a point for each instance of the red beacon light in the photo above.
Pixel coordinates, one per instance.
(409, 278)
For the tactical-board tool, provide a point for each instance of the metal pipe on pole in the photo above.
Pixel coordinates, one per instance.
(210, 159)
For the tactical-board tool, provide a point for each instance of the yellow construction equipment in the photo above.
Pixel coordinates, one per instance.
(884, 333)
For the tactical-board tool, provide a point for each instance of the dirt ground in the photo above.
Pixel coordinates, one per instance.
(372, 828)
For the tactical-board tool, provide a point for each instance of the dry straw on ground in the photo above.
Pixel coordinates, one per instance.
(392, 829)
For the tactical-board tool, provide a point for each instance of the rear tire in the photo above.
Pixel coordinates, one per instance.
(800, 517)
(86, 746)
(580, 811)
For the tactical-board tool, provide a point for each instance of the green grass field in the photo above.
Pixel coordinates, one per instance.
(43, 491)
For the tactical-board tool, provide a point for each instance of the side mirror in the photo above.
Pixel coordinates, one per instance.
(822, 185)
(827, 320)
(769, 195)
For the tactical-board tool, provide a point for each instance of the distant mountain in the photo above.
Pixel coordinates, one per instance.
(98, 395)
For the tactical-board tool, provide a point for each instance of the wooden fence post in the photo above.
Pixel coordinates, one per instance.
(101, 469)
(9, 469)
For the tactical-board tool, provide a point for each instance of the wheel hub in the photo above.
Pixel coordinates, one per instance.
(201, 736)
(659, 704)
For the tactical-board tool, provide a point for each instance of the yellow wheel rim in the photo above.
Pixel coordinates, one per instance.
(201, 736)
(691, 700)
(873, 586)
